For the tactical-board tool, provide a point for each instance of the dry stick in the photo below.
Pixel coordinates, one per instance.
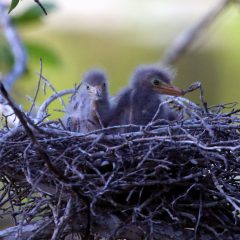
(186, 39)
(40, 229)
(38, 87)
(42, 109)
(43, 154)
(194, 86)
(199, 215)
(228, 198)
(10, 233)
(48, 83)
(61, 223)
(157, 112)
(204, 102)
(17, 48)
(22, 119)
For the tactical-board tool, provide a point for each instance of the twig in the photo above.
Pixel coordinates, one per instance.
(9, 233)
(48, 83)
(43, 108)
(22, 119)
(38, 87)
(61, 222)
(194, 86)
(161, 181)
(199, 216)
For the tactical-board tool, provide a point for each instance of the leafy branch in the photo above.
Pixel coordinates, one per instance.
(14, 4)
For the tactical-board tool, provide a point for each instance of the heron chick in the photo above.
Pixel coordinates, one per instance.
(89, 107)
(138, 103)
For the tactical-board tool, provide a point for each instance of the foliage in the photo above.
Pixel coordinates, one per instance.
(37, 50)
(33, 14)
(14, 3)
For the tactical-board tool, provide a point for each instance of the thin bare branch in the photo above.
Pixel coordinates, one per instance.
(185, 40)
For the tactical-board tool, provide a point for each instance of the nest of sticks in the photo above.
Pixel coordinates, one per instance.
(177, 180)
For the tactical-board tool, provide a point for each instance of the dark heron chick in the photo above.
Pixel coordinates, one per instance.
(89, 107)
(138, 103)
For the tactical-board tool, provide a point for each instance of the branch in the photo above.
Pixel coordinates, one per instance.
(27, 230)
(17, 48)
(23, 119)
(38, 87)
(42, 109)
(182, 44)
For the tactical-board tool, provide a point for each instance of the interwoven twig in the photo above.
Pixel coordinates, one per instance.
(184, 174)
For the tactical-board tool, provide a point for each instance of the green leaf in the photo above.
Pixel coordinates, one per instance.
(32, 14)
(14, 3)
(37, 51)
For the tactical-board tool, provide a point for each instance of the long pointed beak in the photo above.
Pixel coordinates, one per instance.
(169, 89)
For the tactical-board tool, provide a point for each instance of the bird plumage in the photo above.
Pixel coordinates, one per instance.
(138, 103)
(89, 107)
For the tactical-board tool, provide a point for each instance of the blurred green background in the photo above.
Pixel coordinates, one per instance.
(77, 36)
(118, 35)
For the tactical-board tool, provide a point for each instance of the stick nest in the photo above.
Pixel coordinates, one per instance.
(177, 180)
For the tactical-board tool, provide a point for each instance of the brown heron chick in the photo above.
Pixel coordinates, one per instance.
(89, 107)
(138, 103)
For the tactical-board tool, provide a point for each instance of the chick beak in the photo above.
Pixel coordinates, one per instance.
(168, 89)
(98, 93)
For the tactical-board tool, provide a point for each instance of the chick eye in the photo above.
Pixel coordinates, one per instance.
(88, 87)
(156, 82)
(104, 85)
